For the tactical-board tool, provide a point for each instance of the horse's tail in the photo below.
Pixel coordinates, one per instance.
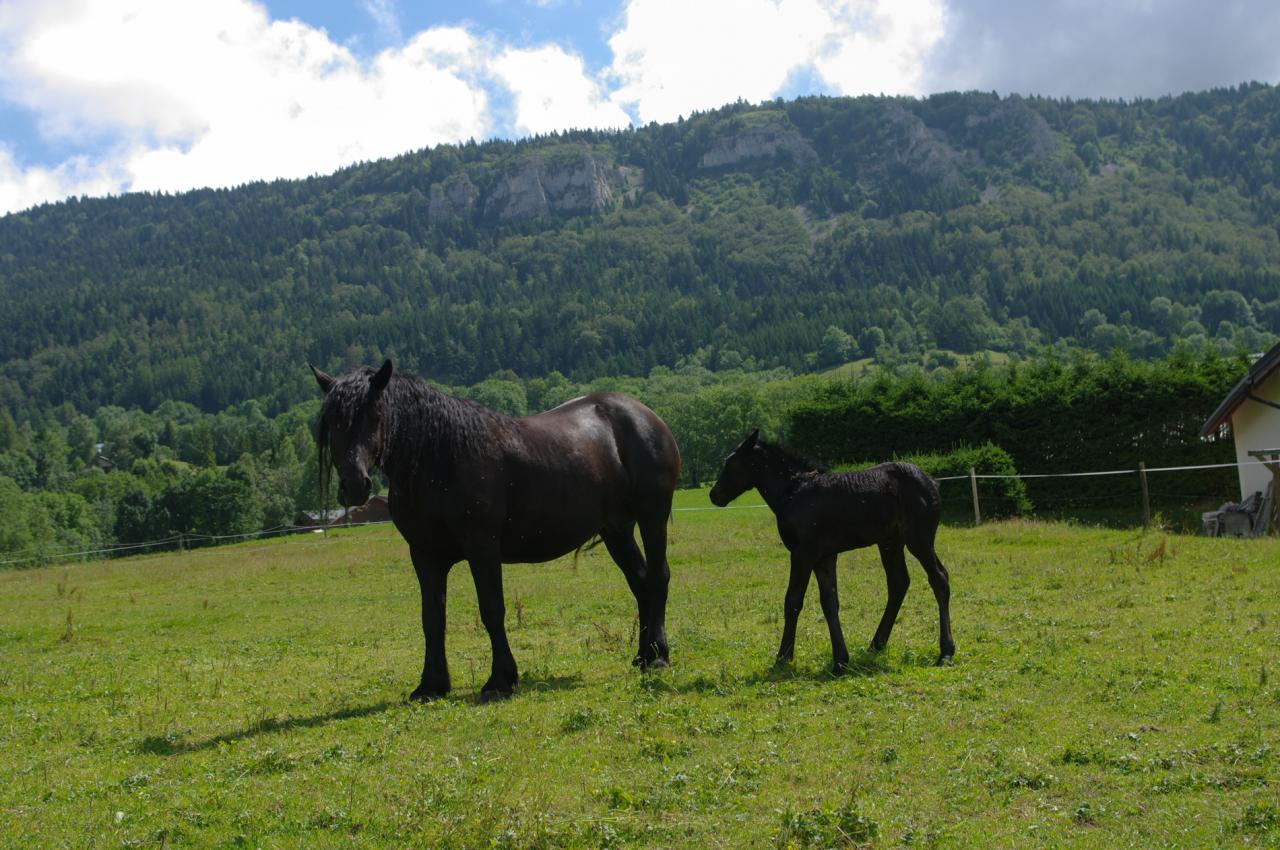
(588, 546)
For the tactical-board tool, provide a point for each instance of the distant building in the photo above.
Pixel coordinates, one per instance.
(374, 510)
(1251, 414)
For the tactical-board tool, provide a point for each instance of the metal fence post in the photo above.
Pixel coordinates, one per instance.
(1146, 495)
(973, 488)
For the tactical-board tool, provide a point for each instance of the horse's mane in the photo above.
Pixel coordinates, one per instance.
(792, 462)
(422, 426)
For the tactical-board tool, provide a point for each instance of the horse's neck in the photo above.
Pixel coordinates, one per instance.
(415, 426)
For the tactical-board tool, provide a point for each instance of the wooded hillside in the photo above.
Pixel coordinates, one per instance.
(797, 234)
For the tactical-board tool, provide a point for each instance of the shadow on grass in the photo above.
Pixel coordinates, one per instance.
(537, 682)
(171, 744)
(863, 663)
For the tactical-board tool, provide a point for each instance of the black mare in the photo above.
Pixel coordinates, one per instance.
(821, 514)
(467, 483)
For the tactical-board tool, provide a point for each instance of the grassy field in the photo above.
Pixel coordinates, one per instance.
(1110, 689)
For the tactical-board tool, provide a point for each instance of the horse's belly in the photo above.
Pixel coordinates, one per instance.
(536, 544)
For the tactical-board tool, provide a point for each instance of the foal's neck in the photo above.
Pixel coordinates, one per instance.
(780, 475)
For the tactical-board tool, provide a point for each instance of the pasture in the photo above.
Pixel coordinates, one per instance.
(1111, 688)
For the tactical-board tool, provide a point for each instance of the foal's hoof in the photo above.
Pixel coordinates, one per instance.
(945, 661)
(839, 668)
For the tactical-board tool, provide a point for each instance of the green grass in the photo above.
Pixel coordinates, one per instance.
(1110, 689)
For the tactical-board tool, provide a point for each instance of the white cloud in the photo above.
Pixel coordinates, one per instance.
(215, 93)
(879, 46)
(171, 96)
(672, 57)
(21, 188)
(553, 92)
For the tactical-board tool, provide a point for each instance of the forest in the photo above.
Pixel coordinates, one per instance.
(180, 477)
(959, 249)
(794, 235)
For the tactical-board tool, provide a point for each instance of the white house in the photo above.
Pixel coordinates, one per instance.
(1252, 412)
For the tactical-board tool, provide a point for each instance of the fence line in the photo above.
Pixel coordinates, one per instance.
(182, 539)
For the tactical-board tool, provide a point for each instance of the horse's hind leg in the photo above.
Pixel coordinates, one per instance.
(653, 532)
(941, 584)
(895, 572)
(622, 547)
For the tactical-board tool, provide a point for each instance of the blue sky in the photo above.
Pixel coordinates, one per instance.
(107, 96)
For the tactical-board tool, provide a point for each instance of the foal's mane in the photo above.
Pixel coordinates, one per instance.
(793, 463)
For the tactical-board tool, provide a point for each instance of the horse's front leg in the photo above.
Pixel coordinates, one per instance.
(826, 575)
(486, 572)
(793, 604)
(433, 574)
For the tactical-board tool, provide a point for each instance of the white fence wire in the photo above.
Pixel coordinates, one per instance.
(183, 540)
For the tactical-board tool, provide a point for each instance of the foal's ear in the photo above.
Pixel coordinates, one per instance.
(378, 382)
(751, 438)
(325, 381)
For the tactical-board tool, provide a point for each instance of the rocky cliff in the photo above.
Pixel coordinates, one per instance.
(566, 180)
(774, 138)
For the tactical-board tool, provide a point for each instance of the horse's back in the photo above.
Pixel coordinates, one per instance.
(640, 442)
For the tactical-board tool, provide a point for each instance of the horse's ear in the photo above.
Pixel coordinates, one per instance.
(751, 438)
(325, 381)
(378, 382)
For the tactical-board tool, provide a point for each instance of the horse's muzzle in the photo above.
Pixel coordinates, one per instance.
(353, 494)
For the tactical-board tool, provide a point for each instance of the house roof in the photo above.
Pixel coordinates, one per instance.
(1257, 373)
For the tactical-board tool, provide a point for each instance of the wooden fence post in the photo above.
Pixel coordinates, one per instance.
(973, 488)
(1146, 495)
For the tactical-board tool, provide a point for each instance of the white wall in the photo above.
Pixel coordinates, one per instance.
(1257, 426)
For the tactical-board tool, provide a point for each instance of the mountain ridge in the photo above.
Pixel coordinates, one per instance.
(788, 233)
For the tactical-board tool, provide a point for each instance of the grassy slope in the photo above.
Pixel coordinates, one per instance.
(254, 695)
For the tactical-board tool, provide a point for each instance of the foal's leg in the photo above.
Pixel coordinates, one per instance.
(432, 581)
(622, 547)
(793, 603)
(941, 584)
(653, 531)
(486, 572)
(895, 572)
(825, 572)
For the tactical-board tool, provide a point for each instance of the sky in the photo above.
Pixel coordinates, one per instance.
(103, 97)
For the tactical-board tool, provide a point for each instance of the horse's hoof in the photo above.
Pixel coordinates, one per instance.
(638, 661)
(655, 664)
(945, 661)
(487, 697)
(421, 694)
(839, 668)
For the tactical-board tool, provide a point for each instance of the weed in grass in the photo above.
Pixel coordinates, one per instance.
(1259, 817)
(68, 630)
(1215, 714)
(843, 826)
